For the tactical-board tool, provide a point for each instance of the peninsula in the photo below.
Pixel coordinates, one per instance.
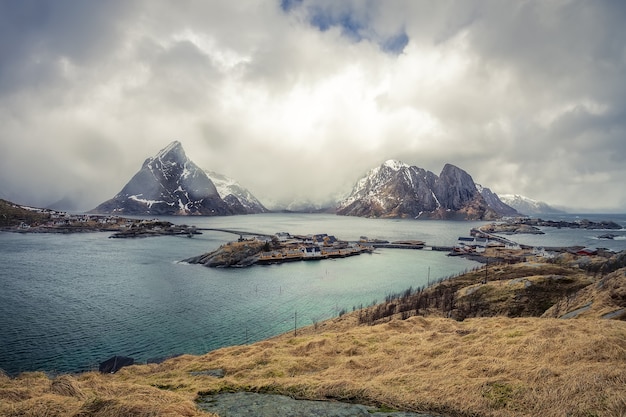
(529, 225)
(24, 219)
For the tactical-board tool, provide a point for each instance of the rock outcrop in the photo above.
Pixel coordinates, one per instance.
(495, 202)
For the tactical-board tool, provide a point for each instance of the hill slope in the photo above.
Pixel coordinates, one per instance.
(479, 367)
(12, 214)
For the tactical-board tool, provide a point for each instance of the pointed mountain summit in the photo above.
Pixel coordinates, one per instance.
(169, 184)
(396, 189)
(393, 189)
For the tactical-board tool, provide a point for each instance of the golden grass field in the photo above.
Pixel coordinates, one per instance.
(483, 366)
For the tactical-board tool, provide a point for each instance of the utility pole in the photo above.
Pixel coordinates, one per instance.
(295, 323)
(486, 272)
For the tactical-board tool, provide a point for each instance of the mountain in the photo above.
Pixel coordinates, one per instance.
(169, 184)
(396, 189)
(527, 205)
(496, 202)
(234, 194)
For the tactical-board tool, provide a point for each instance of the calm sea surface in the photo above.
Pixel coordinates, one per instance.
(68, 302)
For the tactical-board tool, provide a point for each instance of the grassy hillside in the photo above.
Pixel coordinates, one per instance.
(533, 287)
(416, 361)
(12, 215)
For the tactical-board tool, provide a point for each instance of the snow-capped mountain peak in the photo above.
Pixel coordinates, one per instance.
(395, 165)
(168, 184)
(396, 189)
(174, 148)
(528, 205)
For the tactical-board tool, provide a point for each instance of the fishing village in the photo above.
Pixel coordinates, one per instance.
(279, 248)
(261, 249)
(483, 244)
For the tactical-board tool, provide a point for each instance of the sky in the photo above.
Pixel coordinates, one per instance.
(297, 99)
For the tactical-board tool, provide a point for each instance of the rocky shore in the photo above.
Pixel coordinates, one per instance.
(156, 228)
(531, 226)
(510, 229)
(561, 224)
(60, 222)
(275, 250)
(232, 254)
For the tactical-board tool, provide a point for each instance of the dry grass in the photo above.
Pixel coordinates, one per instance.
(524, 289)
(90, 394)
(487, 366)
(479, 367)
(606, 295)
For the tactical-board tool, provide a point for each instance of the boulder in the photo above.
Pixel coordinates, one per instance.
(114, 364)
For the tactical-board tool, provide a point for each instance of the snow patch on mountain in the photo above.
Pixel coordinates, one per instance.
(395, 165)
(227, 186)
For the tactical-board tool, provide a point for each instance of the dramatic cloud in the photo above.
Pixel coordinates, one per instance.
(299, 98)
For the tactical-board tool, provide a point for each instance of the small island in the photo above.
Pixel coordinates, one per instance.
(525, 225)
(280, 248)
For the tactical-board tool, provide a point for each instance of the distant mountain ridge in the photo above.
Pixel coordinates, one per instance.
(396, 189)
(528, 206)
(171, 184)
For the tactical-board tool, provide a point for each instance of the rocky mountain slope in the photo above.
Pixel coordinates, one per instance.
(495, 202)
(396, 189)
(169, 184)
(235, 195)
(527, 205)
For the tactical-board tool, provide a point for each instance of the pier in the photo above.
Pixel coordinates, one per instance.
(481, 233)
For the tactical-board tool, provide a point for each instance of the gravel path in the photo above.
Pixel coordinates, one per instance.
(247, 404)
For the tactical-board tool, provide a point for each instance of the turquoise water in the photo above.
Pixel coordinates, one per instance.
(68, 302)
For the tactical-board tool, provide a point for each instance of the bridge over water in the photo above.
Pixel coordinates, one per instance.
(234, 232)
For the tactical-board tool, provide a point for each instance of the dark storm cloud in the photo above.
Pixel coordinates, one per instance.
(35, 34)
